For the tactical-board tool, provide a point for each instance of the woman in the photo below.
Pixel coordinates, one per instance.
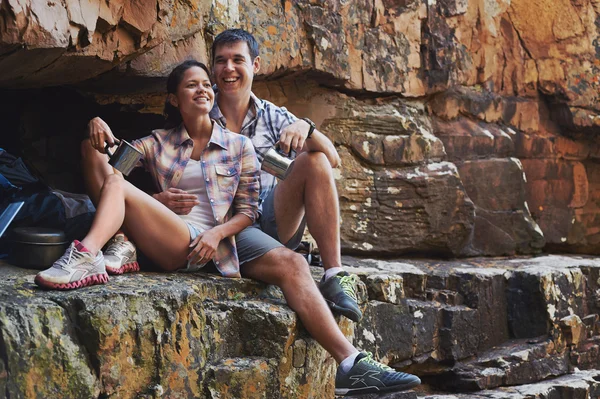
(196, 154)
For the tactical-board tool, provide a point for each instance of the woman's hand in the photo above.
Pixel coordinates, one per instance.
(205, 246)
(99, 133)
(179, 201)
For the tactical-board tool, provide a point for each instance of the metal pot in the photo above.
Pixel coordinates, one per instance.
(36, 247)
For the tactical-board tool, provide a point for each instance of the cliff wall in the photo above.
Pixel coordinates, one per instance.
(466, 127)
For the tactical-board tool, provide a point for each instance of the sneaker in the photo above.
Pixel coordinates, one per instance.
(120, 256)
(74, 269)
(340, 293)
(369, 376)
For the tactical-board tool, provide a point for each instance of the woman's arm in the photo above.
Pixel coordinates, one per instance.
(246, 197)
(245, 208)
(205, 245)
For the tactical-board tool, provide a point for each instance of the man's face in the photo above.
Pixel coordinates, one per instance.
(234, 68)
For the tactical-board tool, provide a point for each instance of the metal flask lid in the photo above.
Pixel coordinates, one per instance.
(38, 235)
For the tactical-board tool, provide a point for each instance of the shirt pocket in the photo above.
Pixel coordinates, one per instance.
(228, 177)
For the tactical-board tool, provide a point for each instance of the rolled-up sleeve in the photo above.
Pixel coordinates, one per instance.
(246, 196)
(145, 146)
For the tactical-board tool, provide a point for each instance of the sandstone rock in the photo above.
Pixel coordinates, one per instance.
(497, 188)
(397, 395)
(580, 384)
(147, 335)
(409, 197)
(510, 364)
(143, 332)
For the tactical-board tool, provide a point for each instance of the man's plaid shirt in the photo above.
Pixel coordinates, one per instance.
(263, 125)
(231, 172)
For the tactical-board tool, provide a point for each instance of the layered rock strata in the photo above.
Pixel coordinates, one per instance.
(495, 325)
(466, 127)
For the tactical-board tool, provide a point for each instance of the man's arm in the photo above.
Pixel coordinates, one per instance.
(294, 136)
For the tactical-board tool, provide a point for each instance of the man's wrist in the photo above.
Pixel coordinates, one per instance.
(311, 127)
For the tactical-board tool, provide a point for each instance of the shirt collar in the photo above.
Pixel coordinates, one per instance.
(181, 136)
(218, 136)
(217, 115)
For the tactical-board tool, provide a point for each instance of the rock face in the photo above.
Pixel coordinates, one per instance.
(466, 127)
(483, 325)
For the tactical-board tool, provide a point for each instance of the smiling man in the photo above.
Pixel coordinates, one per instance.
(307, 196)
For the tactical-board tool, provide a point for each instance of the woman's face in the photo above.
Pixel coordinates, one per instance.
(194, 94)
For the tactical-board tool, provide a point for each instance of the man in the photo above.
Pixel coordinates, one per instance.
(306, 196)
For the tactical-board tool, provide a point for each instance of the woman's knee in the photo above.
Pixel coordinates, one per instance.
(113, 182)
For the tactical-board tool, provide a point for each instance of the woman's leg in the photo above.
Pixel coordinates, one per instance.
(161, 234)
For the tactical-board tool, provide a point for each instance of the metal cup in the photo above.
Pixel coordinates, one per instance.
(276, 163)
(124, 158)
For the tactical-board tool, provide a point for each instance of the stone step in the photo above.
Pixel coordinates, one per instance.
(393, 395)
(515, 362)
(580, 384)
(460, 325)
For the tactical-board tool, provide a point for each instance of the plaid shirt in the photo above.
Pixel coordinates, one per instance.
(263, 124)
(230, 168)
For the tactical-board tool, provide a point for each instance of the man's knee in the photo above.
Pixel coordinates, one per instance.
(314, 163)
(291, 267)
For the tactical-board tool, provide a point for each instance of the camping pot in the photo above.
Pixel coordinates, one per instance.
(124, 158)
(276, 163)
(36, 247)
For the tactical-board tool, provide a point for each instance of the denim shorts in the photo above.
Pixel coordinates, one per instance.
(258, 239)
(194, 232)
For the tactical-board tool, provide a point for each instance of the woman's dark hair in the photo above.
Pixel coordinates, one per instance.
(175, 77)
(231, 36)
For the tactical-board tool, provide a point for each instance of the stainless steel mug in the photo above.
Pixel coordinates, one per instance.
(276, 163)
(124, 158)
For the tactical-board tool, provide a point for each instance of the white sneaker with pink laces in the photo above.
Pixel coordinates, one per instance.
(120, 256)
(75, 269)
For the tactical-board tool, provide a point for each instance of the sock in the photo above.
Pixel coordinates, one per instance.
(348, 362)
(80, 247)
(329, 273)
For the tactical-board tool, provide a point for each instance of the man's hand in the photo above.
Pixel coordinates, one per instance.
(205, 246)
(179, 201)
(99, 133)
(293, 136)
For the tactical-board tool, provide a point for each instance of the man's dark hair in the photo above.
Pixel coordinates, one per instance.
(175, 77)
(231, 36)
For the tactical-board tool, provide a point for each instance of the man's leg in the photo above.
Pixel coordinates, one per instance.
(289, 271)
(357, 372)
(309, 189)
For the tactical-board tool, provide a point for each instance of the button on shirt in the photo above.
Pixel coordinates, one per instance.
(263, 124)
(232, 177)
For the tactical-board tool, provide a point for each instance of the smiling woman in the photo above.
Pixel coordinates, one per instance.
(194, 220)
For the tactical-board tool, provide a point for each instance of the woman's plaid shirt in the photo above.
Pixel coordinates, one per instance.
(231, 172)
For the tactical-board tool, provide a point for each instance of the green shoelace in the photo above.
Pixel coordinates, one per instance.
(369, 360)
(348, 283)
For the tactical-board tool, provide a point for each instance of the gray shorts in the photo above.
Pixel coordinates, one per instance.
(255, 241)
